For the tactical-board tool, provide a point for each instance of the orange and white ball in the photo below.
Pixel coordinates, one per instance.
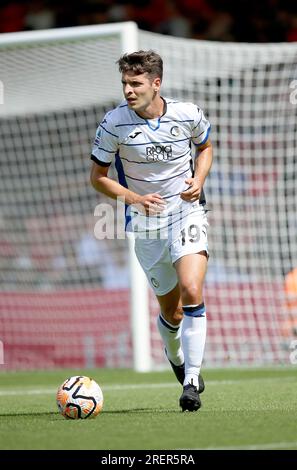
(79, 397)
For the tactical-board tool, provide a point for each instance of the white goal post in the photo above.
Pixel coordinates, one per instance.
(21, 99)
(67, 299)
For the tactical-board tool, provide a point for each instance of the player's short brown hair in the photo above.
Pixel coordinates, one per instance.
(142, 62)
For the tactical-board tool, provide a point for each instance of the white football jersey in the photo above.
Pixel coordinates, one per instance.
(152, 155)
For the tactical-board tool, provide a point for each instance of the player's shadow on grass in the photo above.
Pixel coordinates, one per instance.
(29, 413)
(56, 415)
(141, 410)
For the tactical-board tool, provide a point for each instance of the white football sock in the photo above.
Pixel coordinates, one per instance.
(171, 335)
(193, 336)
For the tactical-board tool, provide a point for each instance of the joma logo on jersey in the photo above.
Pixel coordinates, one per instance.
(158, 153)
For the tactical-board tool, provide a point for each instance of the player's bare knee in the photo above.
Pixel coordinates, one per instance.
(191, 294)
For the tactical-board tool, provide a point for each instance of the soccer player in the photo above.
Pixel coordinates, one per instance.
(163, 155)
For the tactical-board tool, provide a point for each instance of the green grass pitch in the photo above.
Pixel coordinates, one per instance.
(241, 409)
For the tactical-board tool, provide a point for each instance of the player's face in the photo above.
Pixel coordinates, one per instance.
(139, 90)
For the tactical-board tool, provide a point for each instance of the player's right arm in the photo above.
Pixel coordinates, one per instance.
(151, 203)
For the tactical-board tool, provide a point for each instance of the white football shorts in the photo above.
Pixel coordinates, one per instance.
(157, 256)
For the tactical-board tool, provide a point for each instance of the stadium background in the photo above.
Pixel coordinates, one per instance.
(247, 20)
(65, 296)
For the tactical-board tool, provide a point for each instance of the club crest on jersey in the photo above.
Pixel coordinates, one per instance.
(175, 131)
(158, 153)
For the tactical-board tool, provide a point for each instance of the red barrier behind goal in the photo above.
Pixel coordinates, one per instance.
(91, 327)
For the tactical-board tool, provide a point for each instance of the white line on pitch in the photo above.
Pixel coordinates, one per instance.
(116, 387)
(119, 387)
(269, 445)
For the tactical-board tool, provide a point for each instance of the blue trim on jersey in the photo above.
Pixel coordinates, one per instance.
(205, 138)
(123, 182)
(168, 197)
(131, 124)
(199, 110)
(177, 120)
(153, 142)
(179, 220)
(104, 150)
(197, 136)
(100, 125)
(155, 181)
(153, 128)
(177, 194)
(188, 152)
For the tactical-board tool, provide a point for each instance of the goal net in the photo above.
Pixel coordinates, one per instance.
(65, 296)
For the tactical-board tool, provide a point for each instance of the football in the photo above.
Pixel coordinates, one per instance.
(79, 397)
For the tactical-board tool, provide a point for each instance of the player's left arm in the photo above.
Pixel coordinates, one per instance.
(203, 162)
